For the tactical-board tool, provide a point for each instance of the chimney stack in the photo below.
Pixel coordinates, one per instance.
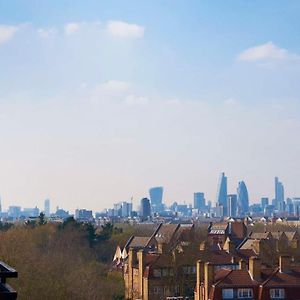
(130, 273)
(229, 246)
(255, 268)
(208, 278)
(242, 264)
(161, 248)
(284, 263)
(200, 279)
(142, 265)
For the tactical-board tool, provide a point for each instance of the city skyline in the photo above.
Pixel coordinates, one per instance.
(107, 99)
(222, 199)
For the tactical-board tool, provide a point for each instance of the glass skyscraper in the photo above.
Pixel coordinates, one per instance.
(243, 199)
(279, 195)
(199, 201)
(145, 209)
(222, 194)
(232, 205)
(156, 196)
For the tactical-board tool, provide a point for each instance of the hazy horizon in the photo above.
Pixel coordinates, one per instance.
(101, 101)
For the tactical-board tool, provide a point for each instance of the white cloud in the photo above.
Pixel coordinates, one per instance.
(136, 100)
(124, 30)
(46, 32)
(71, 28)
(6, 33)
(267, 52)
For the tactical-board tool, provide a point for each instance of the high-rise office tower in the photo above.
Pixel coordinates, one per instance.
(199, 201)
(232, 205)
(47, 208)
(222, 194)
(126, 209)
(243, 199)
(156, 197)
(264, 202)
(145, 209)
(279, 195)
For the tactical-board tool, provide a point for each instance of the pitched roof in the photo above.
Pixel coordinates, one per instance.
(145, 229)
(291, 235)
(246, 253)
(248, 244)
(138, 242)
(281, 279)
(278, 234)
(218, 228)
(238, 229)
(166, 232)
(217, 257)
(259, 235)
(238, 278)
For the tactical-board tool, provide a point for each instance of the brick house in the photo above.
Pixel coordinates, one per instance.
(254, 282)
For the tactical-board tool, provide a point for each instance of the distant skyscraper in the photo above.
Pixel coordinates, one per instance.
(243, 198)
(126, 209)
(145, 208)
(156, 197)
(222, 194)
(264, 202)
(47, 208)
(232, 205)
(279, 195)
(199, 201)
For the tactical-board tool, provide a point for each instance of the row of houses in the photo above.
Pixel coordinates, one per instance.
(170, 263)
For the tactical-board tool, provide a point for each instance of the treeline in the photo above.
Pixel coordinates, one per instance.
(65, 261)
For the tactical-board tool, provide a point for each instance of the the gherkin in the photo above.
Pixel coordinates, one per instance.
(243, 199)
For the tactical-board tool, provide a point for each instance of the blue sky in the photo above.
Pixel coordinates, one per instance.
(99, 100)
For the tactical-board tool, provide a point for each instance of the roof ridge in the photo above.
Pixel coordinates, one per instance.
(129, 241)
(270, 277)
(154, 233)
(230, 271)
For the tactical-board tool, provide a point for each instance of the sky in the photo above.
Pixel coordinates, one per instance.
(101, 100)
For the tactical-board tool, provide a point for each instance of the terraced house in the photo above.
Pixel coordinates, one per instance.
(170, 263)
(254, 282)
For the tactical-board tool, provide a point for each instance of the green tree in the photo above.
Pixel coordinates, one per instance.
(42, 220)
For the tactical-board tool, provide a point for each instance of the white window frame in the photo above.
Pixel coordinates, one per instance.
(278, 293)
(245, 293)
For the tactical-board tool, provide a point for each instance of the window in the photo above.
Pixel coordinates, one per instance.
(157, 272)
(189, 270)
(227, 293)
(277, 293)
(245, 293)
(157, 290)
(165, 272)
